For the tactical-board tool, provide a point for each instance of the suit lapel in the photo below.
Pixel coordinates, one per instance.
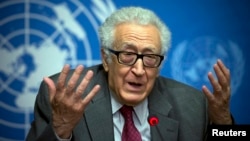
(99, 121)
(99, 113)
(167, 128)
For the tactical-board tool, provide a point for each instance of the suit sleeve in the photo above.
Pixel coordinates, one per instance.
(41, 128)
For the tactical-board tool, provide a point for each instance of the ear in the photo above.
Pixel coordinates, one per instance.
(104, 60)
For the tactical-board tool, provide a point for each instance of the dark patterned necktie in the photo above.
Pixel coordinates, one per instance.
(129, 133)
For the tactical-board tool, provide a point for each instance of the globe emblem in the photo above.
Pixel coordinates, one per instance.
(192, 60)
(36, 39)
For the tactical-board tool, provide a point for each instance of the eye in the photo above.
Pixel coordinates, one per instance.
(128, 53)
(151, 56)
(127, 57)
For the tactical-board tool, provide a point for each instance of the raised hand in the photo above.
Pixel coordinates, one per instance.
(66, 99)
(219, 100)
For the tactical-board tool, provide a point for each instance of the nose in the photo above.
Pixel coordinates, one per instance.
(138, 68)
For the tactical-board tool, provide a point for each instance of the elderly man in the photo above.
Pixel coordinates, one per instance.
(88, 104)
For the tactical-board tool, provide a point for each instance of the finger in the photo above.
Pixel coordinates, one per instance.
(73, 80)
(216, 86)
(208, 93)
(51, 87)
(62, 77)
(224, 70)
(90, 96)
(223, 77)
(220, 76)
(81, 88)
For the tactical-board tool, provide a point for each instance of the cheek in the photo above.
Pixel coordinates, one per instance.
(151, 76)
(116, 76)
(152, 73)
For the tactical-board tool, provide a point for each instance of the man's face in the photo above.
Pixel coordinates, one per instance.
(132, 84)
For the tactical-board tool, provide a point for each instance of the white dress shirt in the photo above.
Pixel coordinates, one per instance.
(140, 117)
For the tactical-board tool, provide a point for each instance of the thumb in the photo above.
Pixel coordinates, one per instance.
(51, 87)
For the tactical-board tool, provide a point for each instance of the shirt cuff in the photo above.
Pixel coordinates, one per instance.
(59, 139)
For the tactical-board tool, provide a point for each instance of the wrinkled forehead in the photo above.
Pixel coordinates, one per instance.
(136, 35)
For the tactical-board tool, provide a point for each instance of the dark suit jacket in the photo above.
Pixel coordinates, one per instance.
(181, 110)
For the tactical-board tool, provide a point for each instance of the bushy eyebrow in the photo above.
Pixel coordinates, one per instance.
(127, 45)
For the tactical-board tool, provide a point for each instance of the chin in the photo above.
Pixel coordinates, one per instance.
(133, 100)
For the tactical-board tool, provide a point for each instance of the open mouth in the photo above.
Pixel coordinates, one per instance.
(134, 84)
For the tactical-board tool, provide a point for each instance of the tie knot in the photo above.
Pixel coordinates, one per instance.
(126, 111)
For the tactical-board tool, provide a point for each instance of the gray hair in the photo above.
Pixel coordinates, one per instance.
(136, 15)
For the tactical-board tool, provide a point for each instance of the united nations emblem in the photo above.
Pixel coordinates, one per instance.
(192, 60)
(37, 39)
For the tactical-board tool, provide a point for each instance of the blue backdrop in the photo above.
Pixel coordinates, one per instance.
(37, 37)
